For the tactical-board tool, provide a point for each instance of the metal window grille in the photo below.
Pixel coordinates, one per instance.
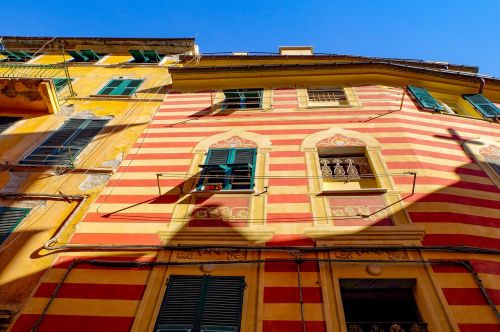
(348, 168)
(334, 95)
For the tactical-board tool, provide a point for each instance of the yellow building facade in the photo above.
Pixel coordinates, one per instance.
(147, 187)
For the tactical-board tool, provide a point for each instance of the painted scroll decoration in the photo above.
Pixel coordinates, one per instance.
(339, 140)
(234, 142)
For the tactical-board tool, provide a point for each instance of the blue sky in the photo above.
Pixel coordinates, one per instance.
(456, 31)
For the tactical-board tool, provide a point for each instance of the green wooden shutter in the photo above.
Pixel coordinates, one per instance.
(251, 98)
(231, 99)
(223, 304)
(17, 56)
(11, 56)
(243, 168)
(6, 122)
(91, 55)
(110, 87)
(201, 303)
(483, 105)
(84, 136)
(217, 156)
(139, 56)
(244, 156)
(60, 83)
(78, 56)
(153, 55)
(63, 146)
(120, 87)
(180, 306)
(9, 219)
(130, 87)
(424, 98)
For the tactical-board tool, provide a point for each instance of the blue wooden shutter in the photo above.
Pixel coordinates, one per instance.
(424, 98)
(483, 105)
(64, 145)
(6, 122)
(9, 219)
(201, 303)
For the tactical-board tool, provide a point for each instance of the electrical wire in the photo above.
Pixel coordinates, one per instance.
(363, 176)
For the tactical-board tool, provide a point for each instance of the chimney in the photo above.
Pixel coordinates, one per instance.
(296, 50)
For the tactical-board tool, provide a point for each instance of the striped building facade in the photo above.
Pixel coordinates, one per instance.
(414, 221)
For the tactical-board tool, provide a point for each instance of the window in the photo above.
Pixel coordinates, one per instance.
(146, 56)
(242, 98)
(327, 97)
(61, 83)
(483, 105)
(16, 56)
(9, 219)
(120, 87)
(201, 303)
(455, 106)
(64, 145)
(345, 168)
(85, 56)
(228, 169)
(452, 107)
(380, 305)
(6, 122)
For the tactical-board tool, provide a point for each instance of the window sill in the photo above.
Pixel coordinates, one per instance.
(232, 110)
(328, 106)
(117, 98)
(460, 115)
(353, 191)
(223, 192)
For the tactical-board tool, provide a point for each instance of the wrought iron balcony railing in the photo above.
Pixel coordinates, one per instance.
(386, 327)
(27, 70)
(22, 70)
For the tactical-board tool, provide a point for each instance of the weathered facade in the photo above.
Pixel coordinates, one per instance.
(241, 192)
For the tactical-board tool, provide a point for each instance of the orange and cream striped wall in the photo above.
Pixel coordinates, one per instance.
(149, 201)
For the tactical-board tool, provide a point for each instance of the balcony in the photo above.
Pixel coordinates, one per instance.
(386, 327)
(29, 88)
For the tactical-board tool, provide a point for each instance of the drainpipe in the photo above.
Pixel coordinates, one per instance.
(481, 85)
(50, 244)
(81, 199)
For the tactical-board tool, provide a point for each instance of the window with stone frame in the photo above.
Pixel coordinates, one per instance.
(380, 305)
(334, 96)
(344, 167)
